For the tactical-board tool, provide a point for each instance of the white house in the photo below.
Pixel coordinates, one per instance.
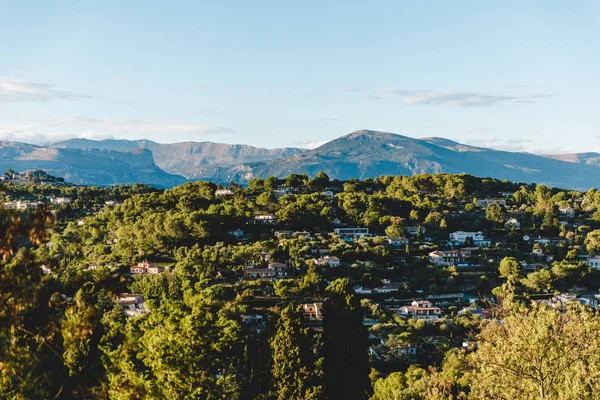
(265, 219)
(274, 270)
(313, 311)
(350, 234)
(92, 267)
(278, 269)
(445, 258)
(460, 237)
(387, 287)
(420, 309)
(223, 192)
(331, 261)
(146, 267)
(133, 304)
(22, 205)
(258, 273)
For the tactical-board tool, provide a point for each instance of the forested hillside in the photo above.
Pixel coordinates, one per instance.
(427, 287)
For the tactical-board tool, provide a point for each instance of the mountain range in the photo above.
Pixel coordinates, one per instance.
(192, 160)
(360, 154)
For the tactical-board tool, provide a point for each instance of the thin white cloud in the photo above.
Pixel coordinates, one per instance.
(499, 143)
(95, 135)
(57, 129)
(139, 126)
(26, 135)
(518, 145)
(307, 144)
(456, 98)
(451, 98)
(514, 144)
(20, 90)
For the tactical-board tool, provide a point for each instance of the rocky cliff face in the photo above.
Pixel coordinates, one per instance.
(89, 166)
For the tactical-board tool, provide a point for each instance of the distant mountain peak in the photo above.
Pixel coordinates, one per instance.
(369, 153)
(372, 134)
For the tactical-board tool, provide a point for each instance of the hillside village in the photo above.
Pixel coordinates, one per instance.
(430, 258)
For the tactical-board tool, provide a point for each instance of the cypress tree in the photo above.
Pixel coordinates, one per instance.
(346, 362)
(293, 367)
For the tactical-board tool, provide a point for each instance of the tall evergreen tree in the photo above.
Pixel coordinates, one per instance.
(293, 367)
(81, 331)
(346, 364)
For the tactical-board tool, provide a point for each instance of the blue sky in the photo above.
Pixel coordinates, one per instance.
(515, 75)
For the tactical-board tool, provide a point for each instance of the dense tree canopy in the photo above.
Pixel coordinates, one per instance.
(208, 329)
(538, 353)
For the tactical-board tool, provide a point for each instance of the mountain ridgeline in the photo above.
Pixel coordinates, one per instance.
(360, 154)
(192, 160)
(88, 165)
(365, 154)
